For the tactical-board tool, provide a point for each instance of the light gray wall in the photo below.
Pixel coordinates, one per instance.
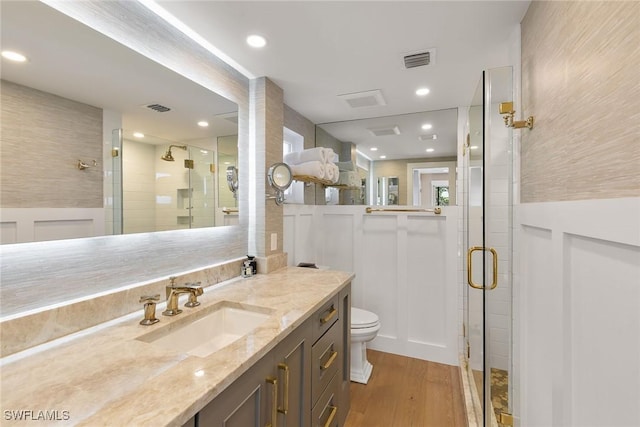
(42, 137)
(304, 127)
(580, 81)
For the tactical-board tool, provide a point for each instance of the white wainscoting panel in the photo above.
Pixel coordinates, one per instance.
(380, 286)
(579, 309)
(405, 266)
(21, 225)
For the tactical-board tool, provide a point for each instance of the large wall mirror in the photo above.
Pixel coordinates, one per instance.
(79, 98)
(154, 143)
(407, 159)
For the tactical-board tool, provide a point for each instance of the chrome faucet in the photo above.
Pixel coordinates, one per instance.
(173, 291)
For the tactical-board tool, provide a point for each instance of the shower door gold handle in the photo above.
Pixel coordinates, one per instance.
(494, 255)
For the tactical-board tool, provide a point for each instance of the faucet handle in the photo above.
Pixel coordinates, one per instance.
(193, 296)
(149, 309)
(150, 298)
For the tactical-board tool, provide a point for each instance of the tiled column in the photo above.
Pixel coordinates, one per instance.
(267, 113)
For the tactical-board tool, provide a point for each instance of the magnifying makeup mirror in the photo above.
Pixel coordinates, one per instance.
(232, 180)
(280, 177)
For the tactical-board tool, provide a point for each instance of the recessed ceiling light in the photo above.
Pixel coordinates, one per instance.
(383, 157)
(427, 126)
(13, 56)
(430, 150)
(374, 148)
(255, 40)
(203, 124)
(422, 91)
(227, 163)
(474, 147)
(138, 134)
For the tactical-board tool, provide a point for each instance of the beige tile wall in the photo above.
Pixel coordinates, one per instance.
(581, 81)
(42, 137)
(268, 100)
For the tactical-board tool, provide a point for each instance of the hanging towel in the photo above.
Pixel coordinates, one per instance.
(314, 168)
(318, 154)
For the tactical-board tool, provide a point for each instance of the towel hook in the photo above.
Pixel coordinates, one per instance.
(82, 165)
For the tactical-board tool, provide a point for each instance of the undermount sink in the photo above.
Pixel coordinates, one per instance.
(210, 329)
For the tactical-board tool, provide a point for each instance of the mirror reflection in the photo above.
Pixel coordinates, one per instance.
(407, 159)
(81, 97)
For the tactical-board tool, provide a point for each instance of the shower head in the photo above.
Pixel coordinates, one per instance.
(168, 157)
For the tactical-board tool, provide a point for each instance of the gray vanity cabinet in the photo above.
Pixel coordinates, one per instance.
(300, 383)
(276, 386)
(245, 403)
(293, 362)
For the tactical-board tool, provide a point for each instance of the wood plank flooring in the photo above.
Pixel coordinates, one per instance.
(407, 392)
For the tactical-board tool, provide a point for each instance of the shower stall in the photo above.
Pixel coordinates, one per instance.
(161, 185)
(487, 170)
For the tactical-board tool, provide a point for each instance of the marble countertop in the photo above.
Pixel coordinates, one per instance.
(109, 377)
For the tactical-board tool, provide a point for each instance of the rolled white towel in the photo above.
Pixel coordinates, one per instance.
(330, 173)
(334, 176)
(331, 156)
(318, 154)
(314, 168)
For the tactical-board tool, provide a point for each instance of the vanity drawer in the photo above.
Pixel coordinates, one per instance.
(325, 361)
(326, 316)
(325, 413)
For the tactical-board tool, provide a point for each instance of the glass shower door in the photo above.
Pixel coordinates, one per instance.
(202, 184)
(487, 171)
(473, 174)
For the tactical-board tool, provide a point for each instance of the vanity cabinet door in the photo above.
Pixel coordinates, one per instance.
(293, 363)
(248, 402)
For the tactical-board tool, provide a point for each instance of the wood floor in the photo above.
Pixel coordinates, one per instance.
(406, 392)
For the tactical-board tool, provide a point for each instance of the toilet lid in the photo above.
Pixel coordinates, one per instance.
(362, 318)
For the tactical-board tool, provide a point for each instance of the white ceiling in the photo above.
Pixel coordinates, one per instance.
(317, 50)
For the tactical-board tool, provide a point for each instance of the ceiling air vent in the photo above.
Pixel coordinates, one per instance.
(158, 107)
(370, 98)
(428, 137)
(419, 59)
(385, 131)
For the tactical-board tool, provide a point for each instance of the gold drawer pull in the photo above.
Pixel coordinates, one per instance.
(332, 312)
(332, 415)
(274, 399)
(285, 392)
(329, 362)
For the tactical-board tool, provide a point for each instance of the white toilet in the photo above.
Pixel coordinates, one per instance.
(364, 327)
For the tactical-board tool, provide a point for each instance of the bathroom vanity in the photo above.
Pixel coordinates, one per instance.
(290, 370)
(303, 381)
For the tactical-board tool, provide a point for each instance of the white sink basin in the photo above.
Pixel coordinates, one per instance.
(209, 330)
